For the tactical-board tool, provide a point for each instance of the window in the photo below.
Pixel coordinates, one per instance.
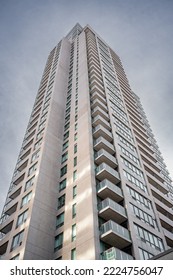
(144, 255)
(66, 135)
(38, 143)
(76, 116)
(58, 242)
(64, 157)
(35, 156)
(61, 201)
(74, 175)
(75, 148)
(74, 210)
(75, 126)
(135, 181)
(73, 235)
(149, 238)
(75, 136)
(132, 167)
(73, 254)
(26, 199)
(29, 183)
(74, 191)
(143, 216)
(60, 220)
(63, 170)
(65, 145)
(75, 161)
(17, 240)
(140, 198)
(32, 169)
(22, 218)
(62, 185)
(66, 126)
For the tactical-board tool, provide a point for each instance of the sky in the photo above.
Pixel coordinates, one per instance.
(140, 32)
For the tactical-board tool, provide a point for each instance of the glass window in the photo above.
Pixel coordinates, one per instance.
(65, 145)
(75, 161)
(74, 210)
(26, 199)
(64, 157)
(61, 201)
(75, 136)
(63, 170)
(75, 148)
(29, 183)
(66, 135)
(60, 220)
(74, 175)
(32, 169)
(58, 242)
(22, 218)
(62, 185)
(73, 236)
(73, 254)
(35, 156)
(75, 127)
(17, 240)
(74, 191)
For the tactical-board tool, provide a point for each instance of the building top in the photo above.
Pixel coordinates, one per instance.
(76, 30)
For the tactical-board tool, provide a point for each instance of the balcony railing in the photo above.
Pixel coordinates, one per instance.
(103, 156)
(100, 120)
(115, 254)
(101, 143)
(98, 111)
(104, 171)
(109, 209)
(115, 235)
(107, 189)
(99, 130)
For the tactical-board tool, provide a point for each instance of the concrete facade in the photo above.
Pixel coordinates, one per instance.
(90, 182)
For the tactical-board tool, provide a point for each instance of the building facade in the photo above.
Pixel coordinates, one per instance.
(90, 182)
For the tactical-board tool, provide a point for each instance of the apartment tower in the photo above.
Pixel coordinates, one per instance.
(90, 182)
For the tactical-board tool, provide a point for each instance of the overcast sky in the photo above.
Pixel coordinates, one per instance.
(140, 31)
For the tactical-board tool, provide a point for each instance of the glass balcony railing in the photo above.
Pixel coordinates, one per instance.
(107, 189)
(115, 254)
(112, 210)
(104, 171)
(115, 235)
(103, 156)
(102, 143)
(99, 130)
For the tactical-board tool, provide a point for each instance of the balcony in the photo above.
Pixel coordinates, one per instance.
(6, 228)
(101, 143)
(103, 156)
(99, 130)
(115, 235)
(169, 237)
(107, 189)
(97, 102)
(162, 197)
(18, 178)
(100, 120)
(111, 210)
(104, 171)
(10, 208)
(98, 96)
(115, 254)
(157, 184)
(97, 87)
(100, 112)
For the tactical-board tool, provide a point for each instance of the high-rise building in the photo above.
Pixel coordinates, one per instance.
(90, 182)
